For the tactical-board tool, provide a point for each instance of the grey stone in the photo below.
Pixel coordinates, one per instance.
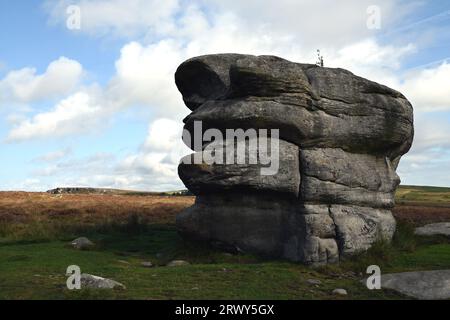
(357, 228)
(147, 264)
(206, 178)
(82, 243)
(241, 220)
(303, 127)
(319, 225)
(310, 237)
(341, 138)
(371, 172)
(306, 103)
(441, 228)
(314, 282)
(339, 292)
(203, 78)
(339, 177)
(327, 192)
(96, 282)
(426, 285)
(178, 263)
(318, 251)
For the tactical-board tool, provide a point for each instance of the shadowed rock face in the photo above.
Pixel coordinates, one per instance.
(340, 141)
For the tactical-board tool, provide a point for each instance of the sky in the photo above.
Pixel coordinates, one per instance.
(87, 92)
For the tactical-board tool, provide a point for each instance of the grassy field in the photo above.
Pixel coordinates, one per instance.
(436, 196)
(421, 205)
(129, 229)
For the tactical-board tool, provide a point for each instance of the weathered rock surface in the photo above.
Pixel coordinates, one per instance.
(247, 222)
(339, 292)
(340, 141)
(147, 264)
(207, 178)
(82, 243)
(434, 229)
(425, 285)
(312, 106)
(314, 282)
(96, 282)
(358, 227)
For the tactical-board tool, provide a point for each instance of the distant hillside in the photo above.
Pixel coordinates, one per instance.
(439, 196)
(421, 194)
(82, 190)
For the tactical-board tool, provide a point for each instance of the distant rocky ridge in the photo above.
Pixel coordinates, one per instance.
(340, 140)
(87, 190)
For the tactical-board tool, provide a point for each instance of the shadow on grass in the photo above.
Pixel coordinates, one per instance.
(121, 246)
(132, 237)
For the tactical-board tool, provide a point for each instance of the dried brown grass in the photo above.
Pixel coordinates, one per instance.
(42, 215)
(420, 214)
(20, 208)
(26, 206)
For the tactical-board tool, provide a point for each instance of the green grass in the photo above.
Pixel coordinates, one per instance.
(425, 188)
(407, 252)
(423, 194)
(35, 269)
(34, 256)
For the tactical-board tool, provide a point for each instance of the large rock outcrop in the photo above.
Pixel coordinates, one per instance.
(340, 139)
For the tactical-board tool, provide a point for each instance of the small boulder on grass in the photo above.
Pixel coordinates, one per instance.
(314, 282)
(178, 263)
(146, 264)
(82, 243)
(434, 229)
(95, 282)
(339, 292)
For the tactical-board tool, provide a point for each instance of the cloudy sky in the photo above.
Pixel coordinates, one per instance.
(97, 106)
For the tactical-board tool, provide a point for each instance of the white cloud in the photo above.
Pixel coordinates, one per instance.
(340, 22)
(77, 113)
(312, 22)
(163, 134)
(146, 66)
(160, 154)
(152, 167)
(429, 89)
(31, 184)
(427, 163)
(368, 58)
(54, 155)
(432, 131)
(145, 73)
(24, 85)
(119, 17)
(145, 76)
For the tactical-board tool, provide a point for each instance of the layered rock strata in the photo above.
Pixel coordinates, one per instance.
(340, 139)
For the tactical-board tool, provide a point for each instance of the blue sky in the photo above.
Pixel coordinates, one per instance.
(97, 106)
